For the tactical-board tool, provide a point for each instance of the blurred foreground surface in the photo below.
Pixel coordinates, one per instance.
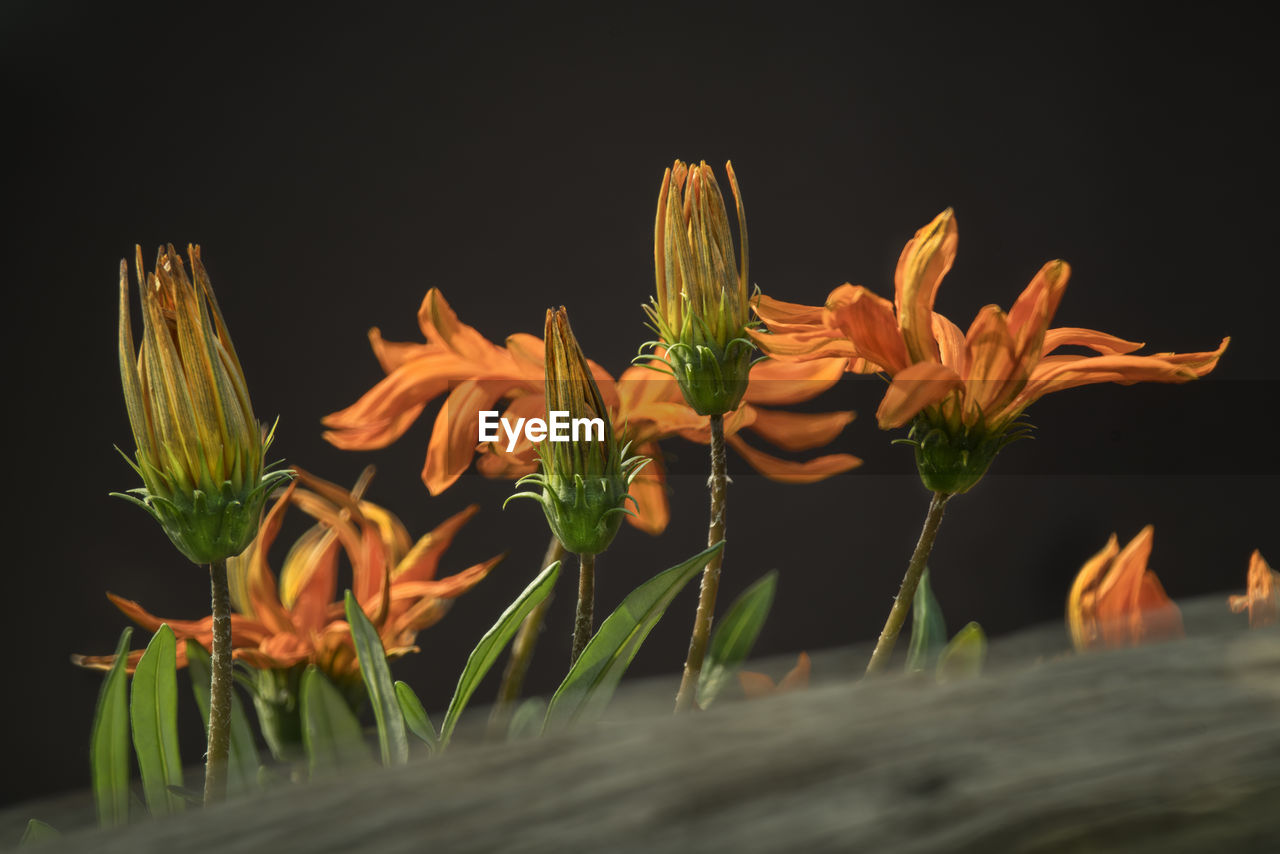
(1172, 747)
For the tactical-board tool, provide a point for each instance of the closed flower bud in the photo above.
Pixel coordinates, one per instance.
(584, 480)
(702, 308)
(199, 447)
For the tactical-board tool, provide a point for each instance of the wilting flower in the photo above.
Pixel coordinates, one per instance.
(759, 685)
(1116, 601)
(583, 481)
(199, 447)
(701, 309)
(963, 391)
(1262, 600)
(644, 407)
(300, 618)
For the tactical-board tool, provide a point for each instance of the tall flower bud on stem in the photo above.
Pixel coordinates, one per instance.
(583, 480)
(199, 448)
(701, 313)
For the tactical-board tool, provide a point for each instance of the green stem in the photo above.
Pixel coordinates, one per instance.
(910, 581)
(711, 575)
(215, 769)
(522, 647)
(583, 622)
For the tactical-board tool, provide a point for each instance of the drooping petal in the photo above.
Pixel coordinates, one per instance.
(820, 343)
(244, 631)
(774, 383)
(868, 321)
(454, 436)
(789, 471)
(799, 431)
(923, 263)
(1099, 342)
(1058, 373)
(919, 386)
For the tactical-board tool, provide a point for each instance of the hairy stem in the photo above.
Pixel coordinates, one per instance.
(522, 647)
(711, 575)
(583, 623)
(215, 769)
(902, 604)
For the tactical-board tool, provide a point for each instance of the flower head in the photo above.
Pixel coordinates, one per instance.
(584, 481)
(199, 447)
(645, 407)
(1262, 600)
(299, 617)
(1116, 601)
(701, 309)
(963, 392)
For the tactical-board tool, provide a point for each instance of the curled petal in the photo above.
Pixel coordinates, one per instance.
(394, 354)
(921, 385)
(923, 263)
(442, 328)
(421, 561)
(1099, 342)
(778, 313)
(868, 322)
(453, 439)
(244, 631)
(788, 471)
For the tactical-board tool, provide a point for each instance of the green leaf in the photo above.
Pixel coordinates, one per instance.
(392, 740)
(928, 629)
(37, 831)
(734, 637)
(527, 720)
(153, 713)
(964, 656)
(586, 691)
(242, 762)
(331, 733)
(109, 742)
(493, 643)
(415, 716)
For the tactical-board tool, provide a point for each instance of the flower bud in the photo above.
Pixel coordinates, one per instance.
(584, 480)
(702, 309)
(199, 448)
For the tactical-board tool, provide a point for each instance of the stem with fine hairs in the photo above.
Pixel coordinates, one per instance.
(215, 769)
(583, 623)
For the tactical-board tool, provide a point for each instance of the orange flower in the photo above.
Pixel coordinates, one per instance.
(646, 406)
(1263, 599)
(973, 384)
(759, 685)
(1116, 601)
(302, 619)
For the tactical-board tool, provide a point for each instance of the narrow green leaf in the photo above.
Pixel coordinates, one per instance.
(243, 762)
(415, 716)
(153, 714)
(586, 691)
(527, 720)
(109, 743)
(493, 643)
(392, 740)
(37, 831)
(734, 637)
(331, 734)
(964, 656)
(928, 628)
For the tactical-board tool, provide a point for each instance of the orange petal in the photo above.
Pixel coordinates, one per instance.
(868, 322)
(421, 561)
(649, 490)
(773, 311)
(992, 379)
(1035, 307)
(950, 344)
(244, 631)
(1058, 373)
(260, 581)
(919, 386)
(441, 327)
(774, 383)
(1081, 601)
(803, 346)
(923, 263)
(755, 685)
(454, 436)
(1263, 597)
(799, 431)
(393, 354)
(798, 676)
(1198, 363)
(1099, 342)
(788, 471)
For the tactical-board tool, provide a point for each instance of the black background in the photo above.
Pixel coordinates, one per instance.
(336, 165)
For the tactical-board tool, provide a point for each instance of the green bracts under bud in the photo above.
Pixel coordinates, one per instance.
(200, 449)
(951, 458)
(583, 483)
(701, 310)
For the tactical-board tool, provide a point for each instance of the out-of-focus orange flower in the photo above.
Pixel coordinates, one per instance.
(646, 406)
(1116, 601)
(984, 377)
(1262, 600)
(301, 618)
(759, 685)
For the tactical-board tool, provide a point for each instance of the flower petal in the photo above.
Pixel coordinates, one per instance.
(1263, 597)
(799, 431)
(454, 436)
(1099, 342)
(442, 328)
(918, 386)
(421, 561)
(868, 321)
(788, 471)
(649, 491)
(923, 263)
(774, 383)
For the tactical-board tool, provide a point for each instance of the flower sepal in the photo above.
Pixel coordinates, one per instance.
(952, 458)
(712, 378)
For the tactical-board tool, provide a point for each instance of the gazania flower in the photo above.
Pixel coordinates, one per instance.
(759, 685)
(1116, 601)
(1262, 600)
(200, 449)
(963, 389)
(645, 407)
(300, 618)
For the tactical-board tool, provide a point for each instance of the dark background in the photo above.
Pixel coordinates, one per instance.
(335, 166)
